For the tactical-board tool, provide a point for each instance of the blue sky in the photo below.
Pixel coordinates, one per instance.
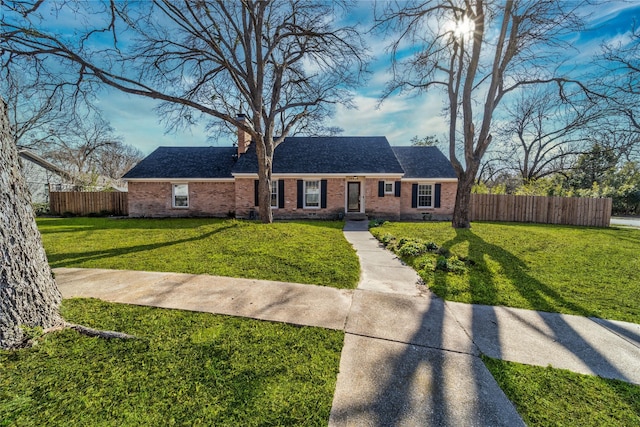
(399, 118)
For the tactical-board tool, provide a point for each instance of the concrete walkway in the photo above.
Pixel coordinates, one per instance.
(409, 357)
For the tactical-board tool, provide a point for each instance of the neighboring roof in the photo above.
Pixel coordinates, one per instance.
(186, 162)
(424, 162)
(327, 155)
(33, 157)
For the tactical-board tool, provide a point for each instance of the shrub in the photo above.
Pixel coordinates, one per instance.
(444, 252)
(451, 265)
(377, 223)
(432, 247)
(40, 208)
(412, 248)
(387, 239)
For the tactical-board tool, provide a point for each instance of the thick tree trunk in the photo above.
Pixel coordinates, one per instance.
(462, 209)
(264, 151)
(29, 296)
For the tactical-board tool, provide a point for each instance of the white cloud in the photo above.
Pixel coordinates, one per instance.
(398, 118)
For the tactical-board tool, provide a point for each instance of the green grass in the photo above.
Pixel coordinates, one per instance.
(312, 252)
(184, 369)
(575, 270)
(556, 397)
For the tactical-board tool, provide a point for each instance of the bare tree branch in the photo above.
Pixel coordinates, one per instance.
(479, 51)
(281, 63)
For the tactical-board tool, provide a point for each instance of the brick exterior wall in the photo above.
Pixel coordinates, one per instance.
(220, 199)
(385, 207)
(444, 212)
(245, 200)
(206, 199)
(244, 197)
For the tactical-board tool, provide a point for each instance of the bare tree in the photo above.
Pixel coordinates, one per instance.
(621, 83)
(280, 62)
(477, 51)
(33, 113)
(114, 160)
(77, 147)
(29, 296)
(542, 135)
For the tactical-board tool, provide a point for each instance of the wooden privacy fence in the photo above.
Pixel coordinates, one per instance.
(545, 210)
(85, 203)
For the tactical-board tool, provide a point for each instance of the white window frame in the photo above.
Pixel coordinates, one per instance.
(392, 188)
(315, 191)
(430, 195)
(274, 194)
(174, 195)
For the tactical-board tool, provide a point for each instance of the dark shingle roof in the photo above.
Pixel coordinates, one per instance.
(318, 155)
(424, 162)
(186, 162)
(298, 155)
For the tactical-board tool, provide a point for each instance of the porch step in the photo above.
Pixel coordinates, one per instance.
(355, 216)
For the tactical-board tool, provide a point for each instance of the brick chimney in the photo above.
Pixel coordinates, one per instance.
(244, 138)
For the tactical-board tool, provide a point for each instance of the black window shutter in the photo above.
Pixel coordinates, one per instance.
(380, 188)
(398, 188)
(256, 192)
(300, 194)
(323, 193)
(281, 193)
(414, 196)
(437, 201)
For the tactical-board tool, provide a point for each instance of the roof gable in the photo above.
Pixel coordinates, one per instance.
(424, 162)
(185, 162)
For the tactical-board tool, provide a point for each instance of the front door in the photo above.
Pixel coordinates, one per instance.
(353, 197)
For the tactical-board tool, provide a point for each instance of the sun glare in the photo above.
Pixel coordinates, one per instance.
(462, 28)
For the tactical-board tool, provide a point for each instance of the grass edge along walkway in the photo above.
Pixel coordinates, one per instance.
(313, 252)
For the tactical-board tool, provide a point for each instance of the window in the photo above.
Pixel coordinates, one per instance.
(388, 187)
(274, 193)
(312, 194)
(180, 195)
(425, 192)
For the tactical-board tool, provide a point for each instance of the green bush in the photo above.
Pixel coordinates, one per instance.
(451, 265)
(377, 223)
(387, 239)
(412, 248)
(40, 208)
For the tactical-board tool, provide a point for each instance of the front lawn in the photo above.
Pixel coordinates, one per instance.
(556, 397)
(312, 252)
(184, 369)
(575, 270)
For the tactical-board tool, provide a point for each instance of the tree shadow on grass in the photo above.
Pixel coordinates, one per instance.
(538, 295)
(484, 289)
(393, 404)
(74, 259)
